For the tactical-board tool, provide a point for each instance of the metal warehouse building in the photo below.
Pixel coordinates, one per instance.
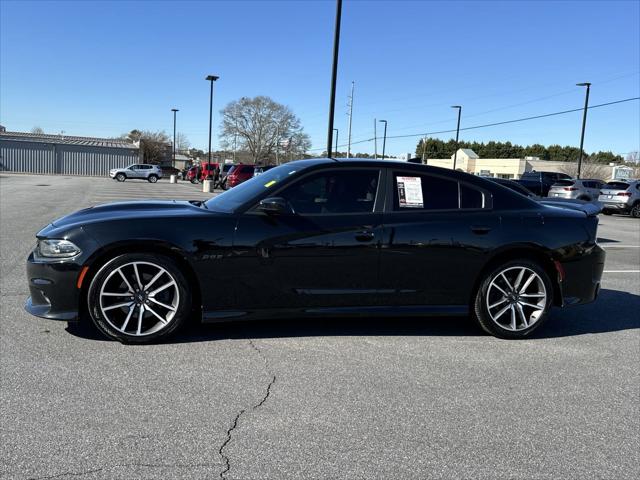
(59, 154)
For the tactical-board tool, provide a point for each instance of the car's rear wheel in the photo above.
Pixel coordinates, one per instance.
(139, 298)
(607, 212)
(635, 210)
(513, 299)
(121, 177)
(152, 178)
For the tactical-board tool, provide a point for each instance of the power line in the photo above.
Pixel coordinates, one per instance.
(524, 119)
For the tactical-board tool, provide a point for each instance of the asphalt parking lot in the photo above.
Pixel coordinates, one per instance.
(393, 398)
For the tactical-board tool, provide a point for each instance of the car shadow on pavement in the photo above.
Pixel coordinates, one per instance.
(613, 311)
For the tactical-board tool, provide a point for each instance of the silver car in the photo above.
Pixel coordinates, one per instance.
(583, 189)
(141, 171)
(620, 196)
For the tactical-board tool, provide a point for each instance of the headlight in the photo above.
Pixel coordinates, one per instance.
(57, 249)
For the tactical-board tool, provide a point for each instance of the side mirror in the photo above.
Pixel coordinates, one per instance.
(274, 206)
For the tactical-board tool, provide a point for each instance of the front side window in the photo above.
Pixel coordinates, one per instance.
(334, 192)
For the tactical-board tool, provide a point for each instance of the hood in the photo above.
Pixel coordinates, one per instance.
(130, 211)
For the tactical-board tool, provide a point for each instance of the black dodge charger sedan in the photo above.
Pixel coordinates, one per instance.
(318, 238)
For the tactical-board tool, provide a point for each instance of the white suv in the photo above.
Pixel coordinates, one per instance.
(621, 196)
(142, 171)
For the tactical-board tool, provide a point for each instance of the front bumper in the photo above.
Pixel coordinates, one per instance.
(582, 277)
(52, 286)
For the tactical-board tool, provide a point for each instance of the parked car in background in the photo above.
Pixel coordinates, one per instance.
(540, 182)
(319, 237)
(590, 208)
(260, 169)
(203, 171)
(582, 189)
(151, 173)
(238, 174)
(168, 170)
(621, 197)
(226, 168)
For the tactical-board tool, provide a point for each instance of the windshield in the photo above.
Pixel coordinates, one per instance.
(563, 183)
(236, 196)
(616, 186)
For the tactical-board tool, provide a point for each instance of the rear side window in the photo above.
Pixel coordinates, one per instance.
(424, 192)
(471, 197)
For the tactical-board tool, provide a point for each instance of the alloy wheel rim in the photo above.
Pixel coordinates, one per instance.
(516, 298)
(139, 298)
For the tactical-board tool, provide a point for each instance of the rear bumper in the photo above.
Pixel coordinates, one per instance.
(619, 206)
(582, 277)
(53, 291)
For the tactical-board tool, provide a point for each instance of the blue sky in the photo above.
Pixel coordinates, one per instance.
(104, 68)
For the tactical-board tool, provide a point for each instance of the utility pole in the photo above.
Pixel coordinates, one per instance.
(455, 154)
(350, 117)
(334, 74)
(375, 139)
(584, 123)
(336, 130)
(424, 150)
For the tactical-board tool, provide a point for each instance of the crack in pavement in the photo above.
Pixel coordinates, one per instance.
(225, 458)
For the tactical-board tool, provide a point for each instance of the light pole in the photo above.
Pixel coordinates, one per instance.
(334, 74)
(211, 78)
(584, 123)
(455, 154)
(174, 110)
(336, 130)
(384, 141)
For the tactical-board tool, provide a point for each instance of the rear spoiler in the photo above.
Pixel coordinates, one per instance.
(590, 209)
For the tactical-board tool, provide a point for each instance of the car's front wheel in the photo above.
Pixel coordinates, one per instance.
(635, 210)
(139, 298)
(121, 177)
(152, 178)
(513, 299)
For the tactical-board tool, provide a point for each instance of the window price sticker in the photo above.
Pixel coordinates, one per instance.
(410, 192)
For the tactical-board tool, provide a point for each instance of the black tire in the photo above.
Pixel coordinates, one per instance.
(224, 185)
(635, 210)
(607, 212)
(121, 177)
(194, 180)
(585, 198)
(152, 178)
(174, 306)
(481, 302)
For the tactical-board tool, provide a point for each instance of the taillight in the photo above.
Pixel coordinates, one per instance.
(624, 194)
(570, 189)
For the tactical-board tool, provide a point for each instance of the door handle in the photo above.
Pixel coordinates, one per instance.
(480, 229)
(365, 236)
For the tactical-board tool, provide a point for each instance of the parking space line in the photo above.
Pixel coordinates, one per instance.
(619, 246)
(621, 271)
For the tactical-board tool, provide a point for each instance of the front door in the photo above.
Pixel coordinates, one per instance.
(324, 252)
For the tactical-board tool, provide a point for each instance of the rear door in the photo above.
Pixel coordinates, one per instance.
(437, 232)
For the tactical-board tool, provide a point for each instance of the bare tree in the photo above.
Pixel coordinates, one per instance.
(633, 157)
(182, 142)
(587, 170)
(37, 131)
(258, 125)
